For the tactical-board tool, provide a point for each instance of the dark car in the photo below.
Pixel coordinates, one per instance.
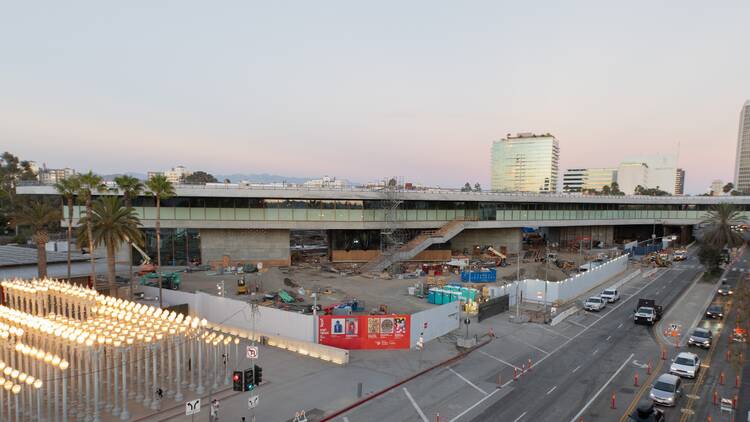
(725, 290)
(715, 311)
(701, 337)
(646, 412)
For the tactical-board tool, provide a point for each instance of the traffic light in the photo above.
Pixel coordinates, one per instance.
(248, 380)
(237, 380)
(258, 375)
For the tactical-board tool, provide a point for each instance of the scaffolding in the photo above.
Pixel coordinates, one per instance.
(391, 236)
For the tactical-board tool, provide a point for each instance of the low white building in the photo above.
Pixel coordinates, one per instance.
(632, 174)
(325, 182)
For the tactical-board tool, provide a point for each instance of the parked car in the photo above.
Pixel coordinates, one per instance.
(686, 364)
(725, 290)
(715, 311)
(594, 303)
(701, 337)
(647, 412)
(666, 390)
(610, 295)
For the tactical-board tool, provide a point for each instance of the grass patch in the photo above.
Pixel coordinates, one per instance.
(710, 276)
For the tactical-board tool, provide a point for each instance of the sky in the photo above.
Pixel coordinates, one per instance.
(367, 90)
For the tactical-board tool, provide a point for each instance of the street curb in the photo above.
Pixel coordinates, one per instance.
(404, 381)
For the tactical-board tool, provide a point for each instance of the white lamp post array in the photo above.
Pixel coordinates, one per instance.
(96, 346)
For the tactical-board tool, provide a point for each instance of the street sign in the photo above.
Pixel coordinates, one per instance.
(425, 325)
(252, 401)
(260, 266)
(252, 352)
(192, 407)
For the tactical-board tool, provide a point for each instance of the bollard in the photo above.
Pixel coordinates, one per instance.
(715, 398)
(663, 354)
(635, 382)
(709, 418)
(437, 417)
(648, 368)
(529, 364)
(614, 405)
(729, 355)
(734, 402)
(737, 381)
(523, 368)
(492, 333)
(721, 378)
(515, 374)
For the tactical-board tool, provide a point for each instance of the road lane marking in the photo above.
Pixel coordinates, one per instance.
(576, 368)
(580, 325)
(345, 419)
(468, 382)
(519, 418)
(482, 400)
(416, 406)
(531, 345)
(554, 332)
(580, 412)
(594, 352)
(498, 359)
(619, 326)
(551, 390)
(608, 337)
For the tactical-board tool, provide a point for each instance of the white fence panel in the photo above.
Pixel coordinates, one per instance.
(440, 320)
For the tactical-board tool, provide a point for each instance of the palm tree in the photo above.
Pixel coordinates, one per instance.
(718, 223)
(111, 224)
(40, 215)
(68, 188)
(161, 188)
(90, 183)
(131, 187)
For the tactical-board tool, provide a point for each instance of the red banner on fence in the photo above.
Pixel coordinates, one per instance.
(364, 331)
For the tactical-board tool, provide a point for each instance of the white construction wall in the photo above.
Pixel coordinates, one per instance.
(440, 320)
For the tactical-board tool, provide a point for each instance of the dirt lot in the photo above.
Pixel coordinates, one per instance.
(304, 279)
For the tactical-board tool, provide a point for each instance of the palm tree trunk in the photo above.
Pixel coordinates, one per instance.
(111, 269)
(90, 234)
(70, 230)
(128, 204)
(41, 255)
(158, 247)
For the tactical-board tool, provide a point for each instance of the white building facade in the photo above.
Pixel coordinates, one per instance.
(742, 159)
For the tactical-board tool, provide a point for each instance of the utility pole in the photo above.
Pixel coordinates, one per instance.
(518, 284)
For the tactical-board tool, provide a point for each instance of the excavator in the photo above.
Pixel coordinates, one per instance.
(502, 260)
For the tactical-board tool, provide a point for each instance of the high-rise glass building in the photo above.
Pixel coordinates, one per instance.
(525, 163)
(580, 180)
(742, 159)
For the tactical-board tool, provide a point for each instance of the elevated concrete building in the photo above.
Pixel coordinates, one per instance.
(231, 222)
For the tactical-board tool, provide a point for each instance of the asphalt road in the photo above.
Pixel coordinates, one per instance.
(579, 381)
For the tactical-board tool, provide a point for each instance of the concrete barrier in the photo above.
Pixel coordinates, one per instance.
(562, 315)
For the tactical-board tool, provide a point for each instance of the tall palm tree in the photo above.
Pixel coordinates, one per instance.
(68, 189)
(111, 224)
(717, 226)
(131, 187)
(161, 188)
(89, 184)
(40, 215)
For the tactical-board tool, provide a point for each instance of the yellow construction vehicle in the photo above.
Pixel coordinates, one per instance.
(241, 286)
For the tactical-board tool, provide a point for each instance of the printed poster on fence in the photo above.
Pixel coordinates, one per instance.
(364, 331)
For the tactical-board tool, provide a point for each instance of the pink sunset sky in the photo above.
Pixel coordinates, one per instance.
(367, 90)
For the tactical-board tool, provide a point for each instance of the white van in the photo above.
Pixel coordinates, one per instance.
(610, 295)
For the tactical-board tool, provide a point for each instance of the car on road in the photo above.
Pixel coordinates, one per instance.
(647, 412)
(679, 255)
(725, 290)
(594, 303)
(666, 390)
(714, 311)
(701, 337)
(686, 364)
(610, 295)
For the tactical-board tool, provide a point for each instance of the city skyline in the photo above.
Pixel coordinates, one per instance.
(361, 92)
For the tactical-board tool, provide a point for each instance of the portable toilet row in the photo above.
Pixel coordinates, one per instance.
(450, 293)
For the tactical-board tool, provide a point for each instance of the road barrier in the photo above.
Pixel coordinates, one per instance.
(635, 380)
(715, 399)
(721, 378)
(614, 403)
(648, 368)
(737, 381)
